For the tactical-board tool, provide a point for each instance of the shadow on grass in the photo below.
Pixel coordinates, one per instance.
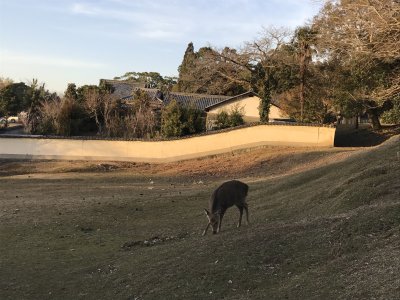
(365, 137)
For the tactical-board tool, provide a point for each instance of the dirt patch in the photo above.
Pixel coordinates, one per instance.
(266, 161)
(153, 241)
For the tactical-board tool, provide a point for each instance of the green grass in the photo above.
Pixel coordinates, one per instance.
(329, 233)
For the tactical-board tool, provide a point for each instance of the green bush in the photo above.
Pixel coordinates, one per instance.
(392, 116)
(222, 120)
(231, 119)
(236, 117)
(179, 121)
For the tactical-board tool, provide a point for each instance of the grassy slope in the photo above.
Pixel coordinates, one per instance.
(331, 232)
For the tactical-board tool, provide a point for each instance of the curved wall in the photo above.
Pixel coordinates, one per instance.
(166, 151)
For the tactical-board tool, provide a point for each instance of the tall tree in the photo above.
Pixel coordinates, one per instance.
(231, 72)
(364, 37)
(304, 38)
(14, 98)
(210, 73)
(186, 68)
(261, 57)
(71, 92)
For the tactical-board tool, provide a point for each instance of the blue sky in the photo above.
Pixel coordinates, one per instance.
(60, 41)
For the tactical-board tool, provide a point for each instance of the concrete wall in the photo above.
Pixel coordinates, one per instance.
(165, 151)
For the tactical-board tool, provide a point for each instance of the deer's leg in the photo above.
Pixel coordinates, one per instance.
(220, 216)
(247, 212)
(240, 216)
(205, 230)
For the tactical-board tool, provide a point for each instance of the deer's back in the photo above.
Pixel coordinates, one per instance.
(229, 193)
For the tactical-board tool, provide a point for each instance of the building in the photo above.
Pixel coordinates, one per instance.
(247, 103)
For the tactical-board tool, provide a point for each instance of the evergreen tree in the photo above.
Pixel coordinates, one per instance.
(171, 124)
(186, 69)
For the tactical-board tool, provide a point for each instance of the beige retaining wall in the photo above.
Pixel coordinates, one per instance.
(166, 151)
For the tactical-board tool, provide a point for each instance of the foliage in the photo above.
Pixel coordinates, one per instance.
(232, 118)
(14, 98)
(363, 37)
(171, 124)
(38, 94)
(56, 117)
(303, 40)
(207, 72)
(142, 120)
(150, 79)
(179, 121)
(392, 116)
(193, 120)
(71, 92)
(236, 116)
(5, 82)
(222, 120)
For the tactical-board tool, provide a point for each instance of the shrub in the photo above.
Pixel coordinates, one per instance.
(236, 116)
(179, 121)
(231, 119)
(392, 116)
(171, 124)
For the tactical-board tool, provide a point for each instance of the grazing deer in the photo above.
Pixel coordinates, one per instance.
(226, 195)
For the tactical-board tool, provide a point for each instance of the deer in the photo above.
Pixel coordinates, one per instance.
(229, 193)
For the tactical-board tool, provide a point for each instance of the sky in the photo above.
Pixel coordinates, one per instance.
(60, 41)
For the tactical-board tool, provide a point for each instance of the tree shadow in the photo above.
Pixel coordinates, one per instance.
(365, 137)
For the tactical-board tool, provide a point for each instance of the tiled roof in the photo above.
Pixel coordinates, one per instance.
(124, 90)
(234, 98)
(198, 101)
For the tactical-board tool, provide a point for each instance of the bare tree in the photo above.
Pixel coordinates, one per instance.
(142, 121)
(5, 82)
(368, 30)
(94, 104)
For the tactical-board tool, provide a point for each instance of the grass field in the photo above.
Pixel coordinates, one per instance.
(325, 224)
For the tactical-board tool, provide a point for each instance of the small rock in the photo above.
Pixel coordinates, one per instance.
(230, 281)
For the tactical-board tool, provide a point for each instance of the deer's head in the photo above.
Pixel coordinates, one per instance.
(213, 220)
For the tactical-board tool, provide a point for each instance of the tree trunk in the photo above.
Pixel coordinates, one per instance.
(373, 115)
(357, 123)
(302, 81)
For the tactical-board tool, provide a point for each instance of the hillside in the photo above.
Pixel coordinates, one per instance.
(324, 224)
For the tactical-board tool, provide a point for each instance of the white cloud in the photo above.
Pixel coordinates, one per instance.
(222, 21)
(8, 57)
(81, 8)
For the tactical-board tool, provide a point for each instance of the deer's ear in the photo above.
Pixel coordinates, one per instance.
(207, 212)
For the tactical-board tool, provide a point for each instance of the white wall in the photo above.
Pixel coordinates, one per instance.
(164, 151)
(250, 109)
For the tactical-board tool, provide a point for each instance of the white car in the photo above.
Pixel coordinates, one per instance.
(13, 119)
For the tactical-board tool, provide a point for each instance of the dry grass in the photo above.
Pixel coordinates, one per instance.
(324, 224)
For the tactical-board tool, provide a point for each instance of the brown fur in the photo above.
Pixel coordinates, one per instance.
(229, 193)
